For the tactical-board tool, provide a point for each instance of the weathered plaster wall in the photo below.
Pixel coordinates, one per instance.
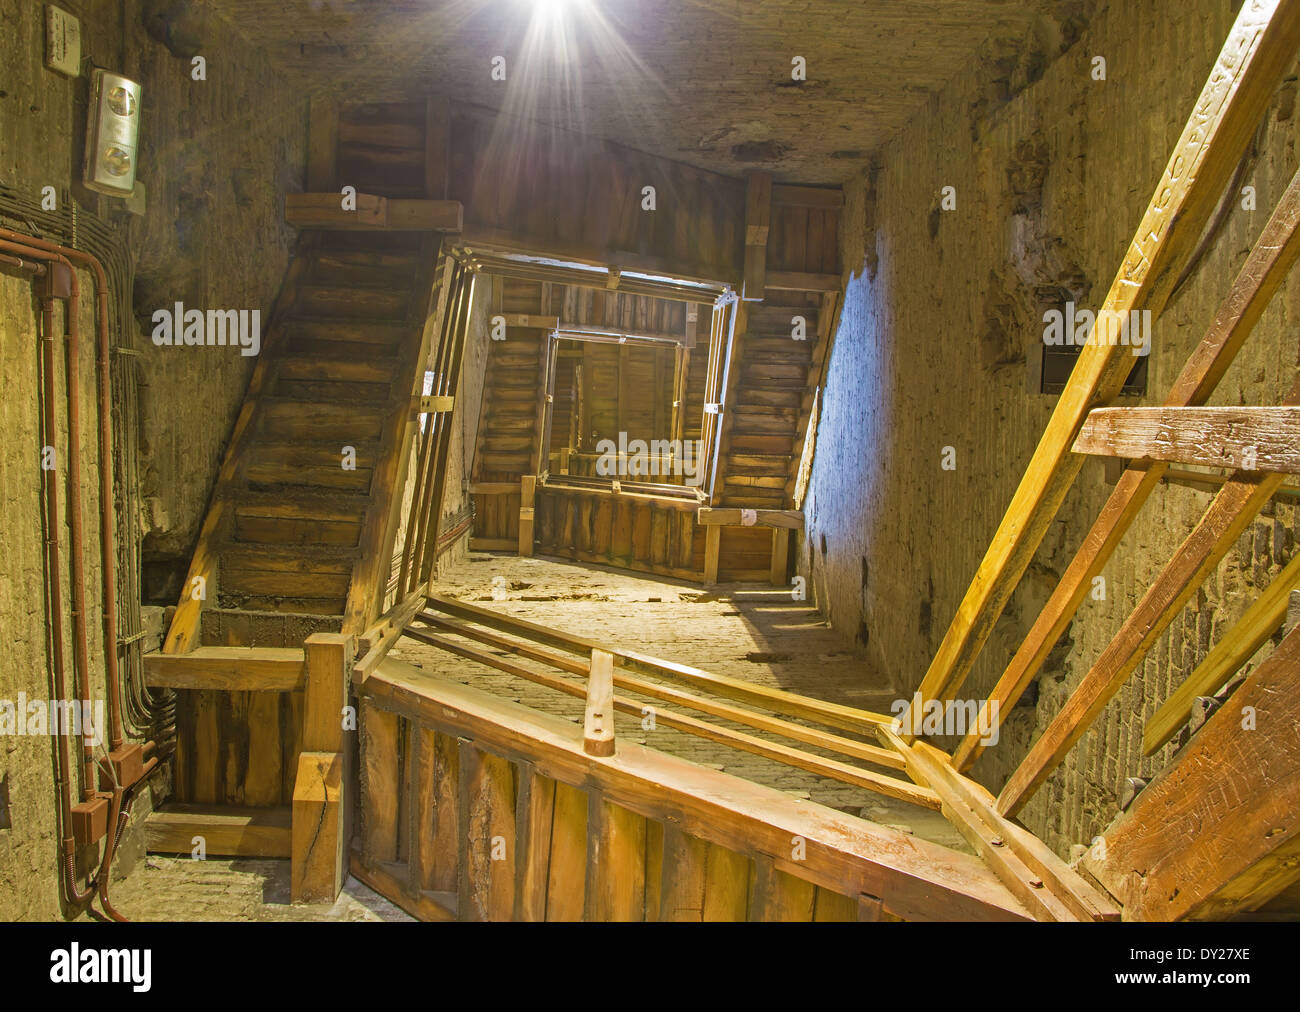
(216, 157)
(943, 311)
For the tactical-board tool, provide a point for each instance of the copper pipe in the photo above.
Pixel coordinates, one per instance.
(108, 555)
(76, 896)
(18, 263)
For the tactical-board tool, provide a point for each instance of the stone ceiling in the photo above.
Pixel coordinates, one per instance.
(708, 82)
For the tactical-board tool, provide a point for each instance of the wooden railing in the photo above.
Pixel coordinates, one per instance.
(1258, 443)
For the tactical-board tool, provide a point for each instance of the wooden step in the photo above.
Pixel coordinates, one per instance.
(366, 395)
(224, 626)
(321, 504)
(344, 369)
(311, 331)
(226, 831)
(352, 303)
(287, 420)
(318, 466)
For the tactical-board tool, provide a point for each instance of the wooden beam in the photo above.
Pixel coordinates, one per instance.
(379, 785)
(322, 144)
(1216, 833)
(527, 506)
(329, 659)
(1259, 51)
(371, 213)
(1228, 516)
(758, 219)
(726, 516)
(598, 717)
(1269, 263)
(388, 881)
(1027, 866)
(780, 556)
(228, 669)
(1250, 439)
(532, 320)
(317, 865)
(616, 846)
(225, 831)
(712, 547)
(807, 196)
(534, 816)
(916, 879)
(797, 281)
(1237, 646)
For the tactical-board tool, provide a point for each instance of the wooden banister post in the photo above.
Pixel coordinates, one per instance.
(320, 801)
(598, 722)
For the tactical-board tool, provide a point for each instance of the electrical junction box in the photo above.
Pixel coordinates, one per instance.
(62, 41)
(112, 134)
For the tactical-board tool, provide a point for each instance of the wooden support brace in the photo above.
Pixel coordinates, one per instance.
(712, 547)
(1247, 439)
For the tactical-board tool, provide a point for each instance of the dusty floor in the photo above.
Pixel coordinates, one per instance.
(746, 631)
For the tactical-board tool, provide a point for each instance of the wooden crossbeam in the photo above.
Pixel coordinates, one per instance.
(1269, 263)
(1236, 647)
(228, 669)
(1259, 51)
(725, 516)
(1252, 439)
(1217, 832)
(371, 213)
(1028, 867)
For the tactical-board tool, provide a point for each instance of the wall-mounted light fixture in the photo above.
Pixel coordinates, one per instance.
(112, 134)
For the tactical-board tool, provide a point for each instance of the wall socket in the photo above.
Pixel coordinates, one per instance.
(62, 41)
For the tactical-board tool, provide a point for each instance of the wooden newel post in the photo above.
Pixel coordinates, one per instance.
(318, 825)
(598, 723)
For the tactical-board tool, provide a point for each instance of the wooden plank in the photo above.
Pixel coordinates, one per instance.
(371, 213)
(527, 501)
(716, 516)
(1215, 833)
(1269, 263)
(780, 557)
(616, 840)
(317, 867)
(435, 812)
(916, 879)
(322, 144)
(1237, 646)
(487, 836)
(567, 875)
(228, 669)
(682, 893)
(727, 875)
(758, 219)
(832, 906)
(1228, 516)
(803, 281)
(598, 716)
(807, 196)
(225, 831)
(379, 798)
(437, 146)
(712, 548)
(387, 880)
(780, 896)
(654, 868)
(1251, 439)
(533, 826)
(1259, 50)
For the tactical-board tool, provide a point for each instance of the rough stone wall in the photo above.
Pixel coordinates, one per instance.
(942, 317)
(216, 157)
